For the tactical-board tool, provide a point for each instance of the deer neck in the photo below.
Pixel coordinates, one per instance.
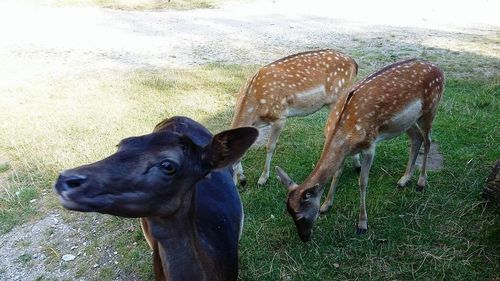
(178, 253)
(330, 161)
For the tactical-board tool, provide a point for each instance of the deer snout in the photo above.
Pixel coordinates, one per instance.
(69, 180)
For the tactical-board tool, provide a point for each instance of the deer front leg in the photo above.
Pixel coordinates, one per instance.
(366, 164)
(238, 176)
(325, 207)
(276, 128)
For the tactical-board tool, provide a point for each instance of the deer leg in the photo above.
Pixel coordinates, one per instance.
(238, 176)
(366, 164)
(425, 124)
(356, 163)
(415, 143)
(423, 172)
(325, 207)
(276, 128)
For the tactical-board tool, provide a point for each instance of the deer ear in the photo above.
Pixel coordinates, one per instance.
(229, 146)
(285, 179)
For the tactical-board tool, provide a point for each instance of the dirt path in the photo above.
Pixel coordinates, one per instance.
(66, 41)
(41, 43)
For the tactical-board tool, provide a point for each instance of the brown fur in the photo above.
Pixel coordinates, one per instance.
(297, 85)
(402, 97)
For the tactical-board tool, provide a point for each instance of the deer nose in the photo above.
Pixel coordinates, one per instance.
(72, 180)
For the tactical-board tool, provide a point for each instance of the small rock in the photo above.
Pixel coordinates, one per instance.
(272, 216)
(115, 252)
(96, 265)
(336, 265)
(116, 262)
(68, 257)
(32, 200)
(74, 247)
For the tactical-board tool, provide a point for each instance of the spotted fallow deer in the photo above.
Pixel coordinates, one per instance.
(297, 85)
(402, 97)
(177, 180)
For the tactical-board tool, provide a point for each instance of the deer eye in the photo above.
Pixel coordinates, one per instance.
(168, 167)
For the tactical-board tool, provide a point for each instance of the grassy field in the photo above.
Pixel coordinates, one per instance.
(445, 233)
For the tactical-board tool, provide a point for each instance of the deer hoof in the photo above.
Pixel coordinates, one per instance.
(324, 209)
(360, 231)
(419, 188)
(358, 170)
(262, 180)
(400, 186)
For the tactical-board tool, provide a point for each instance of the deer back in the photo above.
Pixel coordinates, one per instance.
(296, 85)
(387, 102)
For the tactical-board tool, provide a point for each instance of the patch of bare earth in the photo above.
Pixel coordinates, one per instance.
(434, 158)
(26, 250)
(60, 247)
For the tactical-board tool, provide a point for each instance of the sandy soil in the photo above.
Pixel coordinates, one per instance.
(66, 41)
(40, 43)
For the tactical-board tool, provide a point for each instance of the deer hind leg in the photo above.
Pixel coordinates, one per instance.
(425, 124)
(366, 164)
(325, 207)
(415, 143)
(276, 128)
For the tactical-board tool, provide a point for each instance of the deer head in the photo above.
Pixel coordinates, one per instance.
(302, 204)
(149, 174)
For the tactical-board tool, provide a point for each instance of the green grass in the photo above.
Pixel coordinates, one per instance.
(445, 233)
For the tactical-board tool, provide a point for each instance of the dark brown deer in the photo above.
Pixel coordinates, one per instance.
(297, 85)
(178, 181)
(402, 97)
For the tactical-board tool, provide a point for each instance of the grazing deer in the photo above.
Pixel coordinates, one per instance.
(297, 85)
(402, 97)
(177, 181)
